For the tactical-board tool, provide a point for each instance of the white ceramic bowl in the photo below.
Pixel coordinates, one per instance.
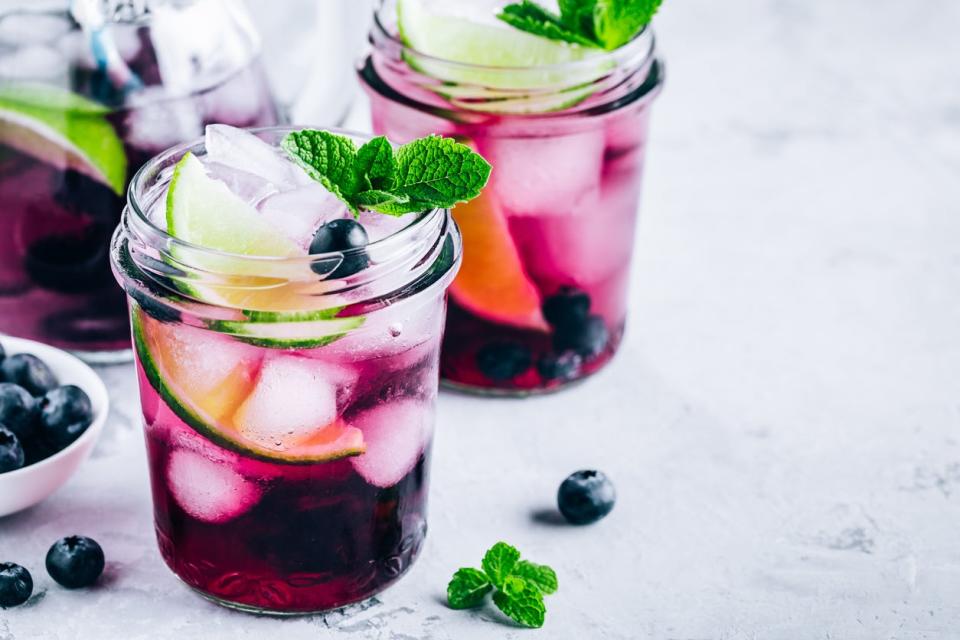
(27, 486)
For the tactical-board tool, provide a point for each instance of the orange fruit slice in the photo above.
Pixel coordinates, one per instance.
(492, 283)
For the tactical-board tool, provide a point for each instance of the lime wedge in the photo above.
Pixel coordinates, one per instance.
(204, 212)
(62, 129)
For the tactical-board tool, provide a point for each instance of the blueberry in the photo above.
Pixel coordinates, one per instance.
(75, 561)
(588, 338)
(18, 409)
(503, 360)
(567, 308)
(30, 372)
(12, 456)
(65, 413)
(3, 353)
(16, 585)
(341, 235)
(586, 497)
(563, 366)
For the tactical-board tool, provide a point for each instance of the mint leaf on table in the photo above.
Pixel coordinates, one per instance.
(328, 158)
(532, 18)
(429, 173)
(539, 575)
(499, 561)
(603, 24)
(518, 586)
(468, 588)
(526, 607)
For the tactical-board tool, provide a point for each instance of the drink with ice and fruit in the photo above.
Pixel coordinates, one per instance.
(287, 338)
(541, 298)
(86, 99)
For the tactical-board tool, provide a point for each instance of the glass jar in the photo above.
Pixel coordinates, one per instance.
(89, 91)
(289, 425)
(541, 299)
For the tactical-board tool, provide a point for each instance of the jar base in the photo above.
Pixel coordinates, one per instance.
(345, 610)
(501, 392)
(116, 356)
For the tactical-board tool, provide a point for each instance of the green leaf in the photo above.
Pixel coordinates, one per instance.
(539, 575)
(499, 561)
(327, 158)
(532, 18)
(577, 15)
(526, 607)
(439, 172)
(468, 588)
(375, 199)
(375, 161)
(617, 22)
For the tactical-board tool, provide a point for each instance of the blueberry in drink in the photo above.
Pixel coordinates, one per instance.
(286, 326)
(79, 114)
(557, 97)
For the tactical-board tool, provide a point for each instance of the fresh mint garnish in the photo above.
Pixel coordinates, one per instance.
(429, 173)
(518, 586)
(605, 24)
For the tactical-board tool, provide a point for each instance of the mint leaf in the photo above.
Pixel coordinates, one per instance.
(468, 588)
(525, 607)
(439, 172)
(377, 199)
(327, 158)
(539, 575)
(375, 162)
(532, 18)
(616, 22)
(499, 561)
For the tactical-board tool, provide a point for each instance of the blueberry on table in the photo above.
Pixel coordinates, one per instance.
(567, 308)
(588, 338)
(503, 360)
(28, 371)
(65, 413)
(12, 456)
(562, 366)
(341, 235)
(586, 497)
(16, 585)
(17, 410)
(75, 561)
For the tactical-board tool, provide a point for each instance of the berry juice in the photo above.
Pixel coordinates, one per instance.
(72, 134)
(541, 298)
(288, 403)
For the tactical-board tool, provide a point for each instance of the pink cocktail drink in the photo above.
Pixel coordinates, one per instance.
(541, 299)
(288, 402)
(72, 133)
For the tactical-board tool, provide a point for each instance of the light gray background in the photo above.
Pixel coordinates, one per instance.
(782, 422)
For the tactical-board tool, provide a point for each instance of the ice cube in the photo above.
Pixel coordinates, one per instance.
(299, 212)
(250, 187)
(293, 398)
(544, 176)
(395, 434)
(156, 122)
(380, 226)
(243, 99)
(242, 150)
(209, 490)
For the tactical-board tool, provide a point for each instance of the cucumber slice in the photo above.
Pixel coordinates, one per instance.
(206, 396)
(304, 330)
(63, 129)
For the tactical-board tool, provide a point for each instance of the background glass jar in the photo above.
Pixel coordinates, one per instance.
(541, 298)
(288, 440)
(90, 90)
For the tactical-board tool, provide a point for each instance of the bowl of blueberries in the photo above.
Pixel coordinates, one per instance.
(52, 410)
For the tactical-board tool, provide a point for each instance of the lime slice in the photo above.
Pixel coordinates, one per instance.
(304, 330)
(205, 212)
(206, 380)
(62, 129)
(429, 27)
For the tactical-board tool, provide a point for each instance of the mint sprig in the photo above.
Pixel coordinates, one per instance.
(604, 24)
(518, 586)
(429, 173)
